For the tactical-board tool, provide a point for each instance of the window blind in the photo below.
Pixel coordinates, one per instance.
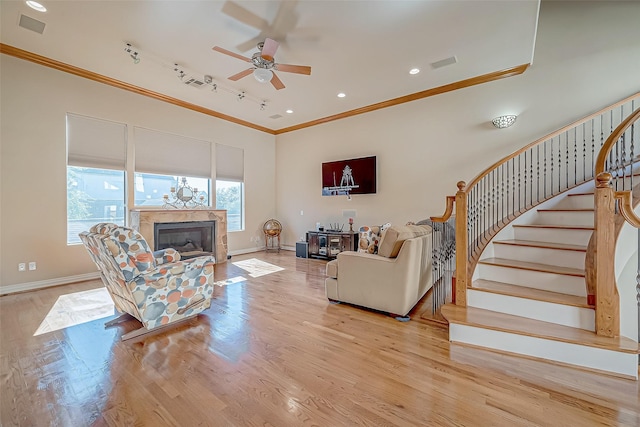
(168, 154)
(96, 143)
(229, 163)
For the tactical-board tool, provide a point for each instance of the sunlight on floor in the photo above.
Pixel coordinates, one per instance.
(230, 281)
(76, 308)
(257, 268)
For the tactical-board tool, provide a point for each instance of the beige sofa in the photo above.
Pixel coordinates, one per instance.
(393, 280)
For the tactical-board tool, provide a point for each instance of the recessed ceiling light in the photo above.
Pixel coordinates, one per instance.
(414, 71)
(342, 95)
(36, 6)
(289, 111)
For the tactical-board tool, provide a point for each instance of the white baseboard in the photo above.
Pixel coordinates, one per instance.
(29, 286)
(258, 249)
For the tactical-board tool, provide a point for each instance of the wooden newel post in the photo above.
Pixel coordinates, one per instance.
(607, 299)
(462, 245)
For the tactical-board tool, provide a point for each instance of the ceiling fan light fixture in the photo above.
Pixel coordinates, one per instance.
(263, 75)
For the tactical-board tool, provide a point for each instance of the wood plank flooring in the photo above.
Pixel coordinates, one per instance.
(271, 351)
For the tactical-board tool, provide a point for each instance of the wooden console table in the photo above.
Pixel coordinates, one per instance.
(328, 244)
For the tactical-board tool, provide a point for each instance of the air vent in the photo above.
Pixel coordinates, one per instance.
(194, 82)
(31, 24)
(275, 116)
(444, 62)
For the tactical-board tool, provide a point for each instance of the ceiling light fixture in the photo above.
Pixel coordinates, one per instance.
(503, 122)
(263, 75)
(133, 53)
(414, 71)
(342, 95)
(36, 6)
(289, 111)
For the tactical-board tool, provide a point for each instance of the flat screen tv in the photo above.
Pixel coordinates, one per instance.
(353, 176)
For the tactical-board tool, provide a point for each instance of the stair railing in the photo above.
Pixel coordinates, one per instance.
(615, 169)
(537, 172)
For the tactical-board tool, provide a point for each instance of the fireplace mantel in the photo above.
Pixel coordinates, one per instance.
(143, 220)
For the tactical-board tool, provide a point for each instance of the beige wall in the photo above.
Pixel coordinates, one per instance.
(34, 102)
(587, 57)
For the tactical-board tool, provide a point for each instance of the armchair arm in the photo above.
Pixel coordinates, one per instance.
(168, 255)
(173, 290)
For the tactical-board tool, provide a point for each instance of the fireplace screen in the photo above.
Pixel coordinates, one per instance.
(191, 239)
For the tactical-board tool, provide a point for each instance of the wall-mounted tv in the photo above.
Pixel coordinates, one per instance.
(353, 176)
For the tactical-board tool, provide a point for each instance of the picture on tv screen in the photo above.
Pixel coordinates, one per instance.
(353, 176)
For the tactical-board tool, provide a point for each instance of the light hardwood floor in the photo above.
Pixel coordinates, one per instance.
(271, 351)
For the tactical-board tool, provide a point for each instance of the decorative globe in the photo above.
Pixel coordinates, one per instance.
(272, 227)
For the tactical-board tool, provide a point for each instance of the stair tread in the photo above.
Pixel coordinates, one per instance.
(533, 266)
(529, 293)
(477, 317)
(581, 194)
(567, 210)
(546, 245)
(557, 226)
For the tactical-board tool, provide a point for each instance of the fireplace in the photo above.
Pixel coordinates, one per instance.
(190, 238)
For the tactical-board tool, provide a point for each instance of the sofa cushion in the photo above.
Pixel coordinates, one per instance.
(395, 236)
(370, 237)
(332, 269)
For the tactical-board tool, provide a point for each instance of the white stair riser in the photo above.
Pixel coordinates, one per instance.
(575, 317)
(553, 235)
(572, 259)
(583, 201)
(625, 364)
(561, 283)
(575, 218)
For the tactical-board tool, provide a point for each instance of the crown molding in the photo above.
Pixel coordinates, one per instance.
(67, 68)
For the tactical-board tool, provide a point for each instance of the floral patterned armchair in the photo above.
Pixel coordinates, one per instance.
(157, 288)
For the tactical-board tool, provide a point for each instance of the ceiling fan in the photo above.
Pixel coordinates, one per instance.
(264, 65)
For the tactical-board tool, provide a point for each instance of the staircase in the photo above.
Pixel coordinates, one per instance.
(528, 295)
(523, 232)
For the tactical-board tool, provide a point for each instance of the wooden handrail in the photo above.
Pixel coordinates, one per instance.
(448, 211)
(625, 205)
(613, 139)
(484, 173)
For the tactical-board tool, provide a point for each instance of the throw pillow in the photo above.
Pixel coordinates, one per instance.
(370, 237)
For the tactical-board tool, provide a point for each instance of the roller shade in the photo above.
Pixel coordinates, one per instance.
(96, 143)
(168, 154)
(229, 163)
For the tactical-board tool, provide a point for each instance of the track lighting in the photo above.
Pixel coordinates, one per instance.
(241, 96)
(133, 53)
(263, 105)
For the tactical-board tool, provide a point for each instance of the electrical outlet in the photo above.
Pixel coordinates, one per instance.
(32, 265)
(22, 267)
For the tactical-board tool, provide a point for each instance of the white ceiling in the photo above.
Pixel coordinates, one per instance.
(362, 48)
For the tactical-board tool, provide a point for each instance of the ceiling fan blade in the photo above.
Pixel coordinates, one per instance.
(269, 49)
(298, 69)
(241, 74)
(250, 44)
(228, 52)
(276, 82)
(286, 19)
(245, 16)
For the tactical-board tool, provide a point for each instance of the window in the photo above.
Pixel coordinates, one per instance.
(93, 196)
(229, 196)
(150, 188)
(96, 151)
(230, 184)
